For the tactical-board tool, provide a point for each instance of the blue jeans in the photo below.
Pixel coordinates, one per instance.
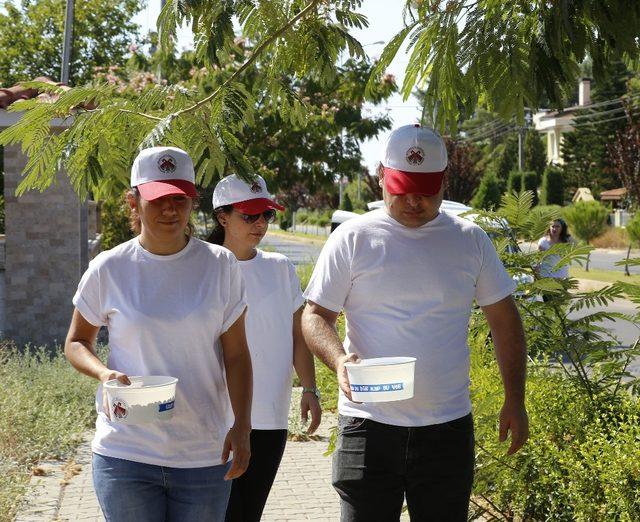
(133, 491)
(376, 465)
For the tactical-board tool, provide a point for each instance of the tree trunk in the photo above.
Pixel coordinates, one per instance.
(588, 259)
(626, 261)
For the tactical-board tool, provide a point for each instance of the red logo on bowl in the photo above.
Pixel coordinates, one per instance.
(120, 409)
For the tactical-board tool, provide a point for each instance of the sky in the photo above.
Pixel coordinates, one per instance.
(385, 20)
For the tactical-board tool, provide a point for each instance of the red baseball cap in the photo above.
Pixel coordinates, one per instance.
(248, 198)
(256, 206)
(415, 160)
(163, 171)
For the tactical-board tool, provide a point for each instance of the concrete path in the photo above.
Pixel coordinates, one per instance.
(302, 490)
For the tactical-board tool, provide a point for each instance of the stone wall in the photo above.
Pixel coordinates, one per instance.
(42, 263)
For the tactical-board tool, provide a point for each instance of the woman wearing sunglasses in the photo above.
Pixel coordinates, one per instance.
(242, 213)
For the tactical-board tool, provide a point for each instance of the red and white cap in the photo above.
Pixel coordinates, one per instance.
(248, 198)
(414, 161)
(163, 171)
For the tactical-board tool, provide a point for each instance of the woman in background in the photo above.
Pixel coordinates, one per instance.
(242, 212)
(556, 233)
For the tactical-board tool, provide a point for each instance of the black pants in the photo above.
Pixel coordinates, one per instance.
(376, 465)
(249, 492)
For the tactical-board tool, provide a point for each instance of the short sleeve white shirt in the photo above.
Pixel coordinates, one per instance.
(546, 267)
(409, 292)
(273, 296)
(165, 315)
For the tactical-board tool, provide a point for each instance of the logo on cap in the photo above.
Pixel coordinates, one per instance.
(256, 188)
(415, 156)
(167, 164)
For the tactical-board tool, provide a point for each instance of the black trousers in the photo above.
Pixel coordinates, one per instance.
(249, 492)
(376, 465)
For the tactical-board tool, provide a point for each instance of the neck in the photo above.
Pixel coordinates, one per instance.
(242, 252)
(162, 246)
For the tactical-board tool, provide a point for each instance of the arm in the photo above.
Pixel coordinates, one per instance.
(305, 368)
(237, 364)
(319, 330)
(511, 354)
(80, 351)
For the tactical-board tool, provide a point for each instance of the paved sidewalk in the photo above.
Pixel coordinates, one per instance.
(302, 490)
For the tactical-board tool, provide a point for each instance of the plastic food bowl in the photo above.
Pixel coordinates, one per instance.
(147, 399)
(381, 379)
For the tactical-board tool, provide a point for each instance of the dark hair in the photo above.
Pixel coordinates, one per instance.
(134, 217)
(564, 234)
(217, 234)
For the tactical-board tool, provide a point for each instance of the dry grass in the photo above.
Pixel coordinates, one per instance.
(613, 238)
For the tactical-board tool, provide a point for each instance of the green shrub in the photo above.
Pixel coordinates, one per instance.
(582, 461)
(586, 220)
(552, 189)
(633, 229)
(514, 181)
(115, 223)
(286, 219)
(488, 193)
(346, 203)
(530, 183)
(46, 406)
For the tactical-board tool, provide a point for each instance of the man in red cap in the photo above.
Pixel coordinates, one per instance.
(407, 276)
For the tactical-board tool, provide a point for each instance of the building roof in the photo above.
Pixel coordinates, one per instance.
(20, 92)
(583, 194)
(613, 194)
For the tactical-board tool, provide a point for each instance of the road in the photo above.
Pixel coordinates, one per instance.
(300, 252)
(603, 259)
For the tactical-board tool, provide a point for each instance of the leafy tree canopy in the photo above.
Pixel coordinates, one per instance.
(509, 54)
(506, 54)
(31, 36)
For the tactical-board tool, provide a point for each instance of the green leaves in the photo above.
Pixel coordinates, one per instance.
(509, 54)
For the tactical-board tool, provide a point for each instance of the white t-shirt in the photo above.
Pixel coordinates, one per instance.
(165, 315)
(273, 295)
(409, 292)
(546, 267)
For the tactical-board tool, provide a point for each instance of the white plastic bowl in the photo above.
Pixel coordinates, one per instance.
(381, 379)
(147, 399)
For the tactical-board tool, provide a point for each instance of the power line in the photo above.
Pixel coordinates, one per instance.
(476, 131)
(492, 133)
(597, 122)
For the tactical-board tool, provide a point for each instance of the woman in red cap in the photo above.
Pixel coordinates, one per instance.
(163, 320)
(242, 212)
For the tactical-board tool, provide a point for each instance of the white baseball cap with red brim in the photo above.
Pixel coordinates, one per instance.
(414, 161)
(163, 171)
(248, 198)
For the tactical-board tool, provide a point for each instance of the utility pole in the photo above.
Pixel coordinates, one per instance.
(159, 68)
(520, 132)
(66, 48)
(527, 124)
(83, 217)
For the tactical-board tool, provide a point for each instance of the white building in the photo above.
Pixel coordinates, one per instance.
(555, 123)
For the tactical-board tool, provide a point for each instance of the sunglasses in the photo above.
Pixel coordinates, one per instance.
(268, 215)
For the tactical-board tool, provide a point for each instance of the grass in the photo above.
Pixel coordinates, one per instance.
(312, 238)
(613, 237)
(325, 378)
(606, 276)
(46, 406)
